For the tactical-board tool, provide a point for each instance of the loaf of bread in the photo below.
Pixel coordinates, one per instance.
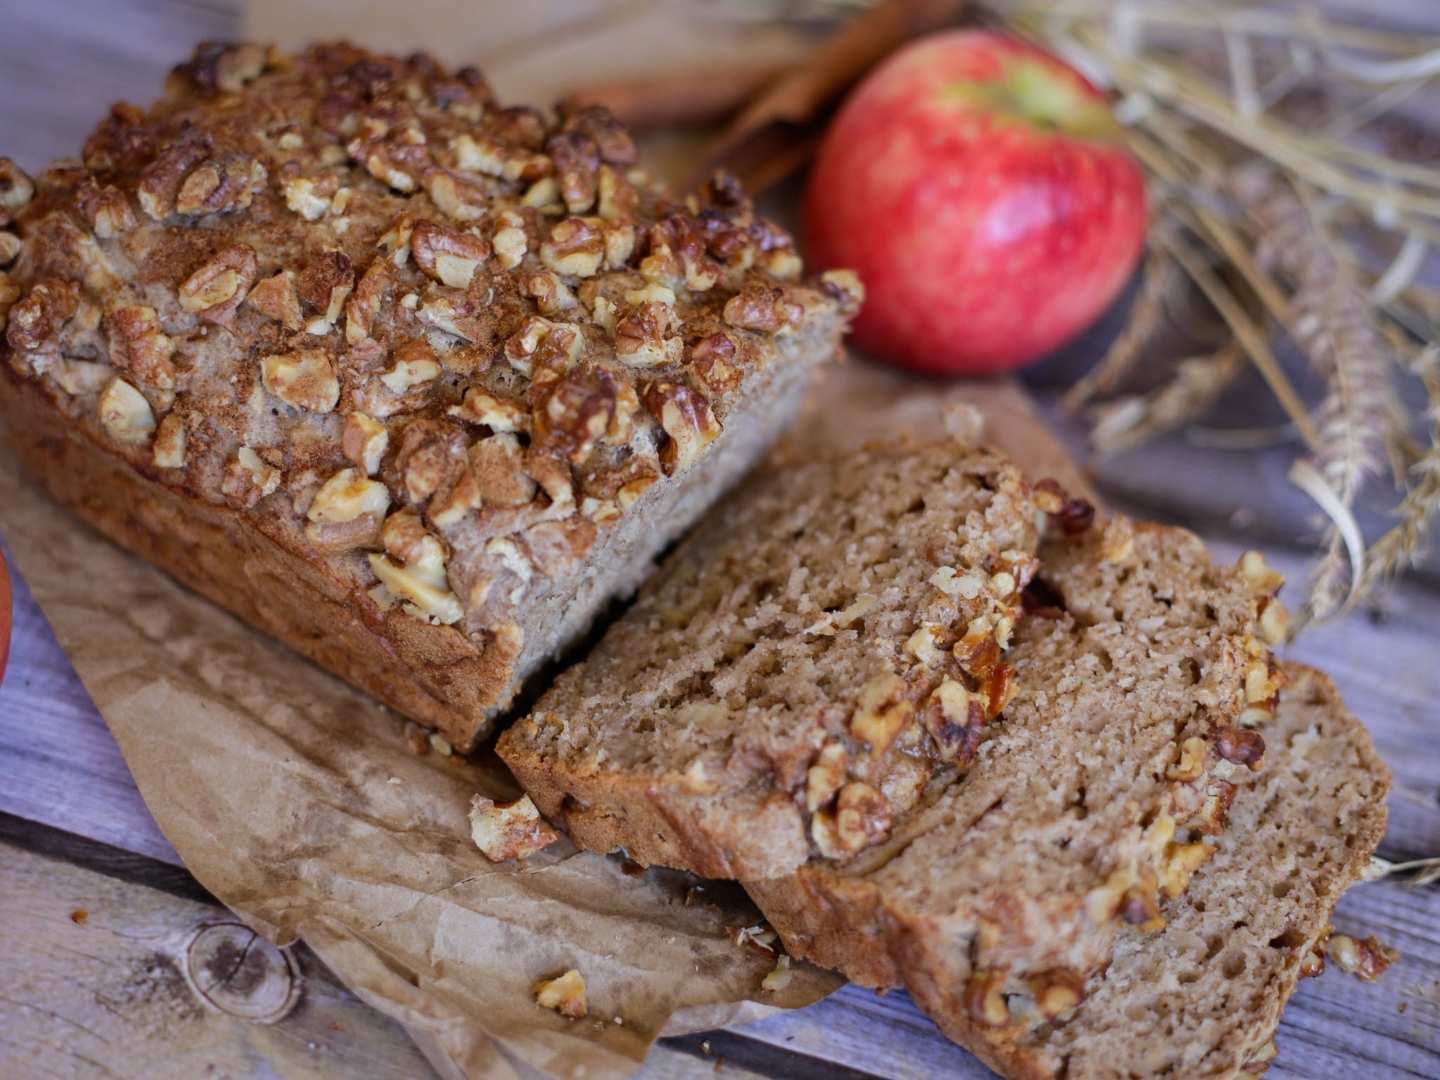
(413, 381)
(827, 644)
(1203, 996)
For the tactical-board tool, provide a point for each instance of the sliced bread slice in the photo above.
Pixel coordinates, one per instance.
(1203, 997)
(1086, 804)
(828, 641)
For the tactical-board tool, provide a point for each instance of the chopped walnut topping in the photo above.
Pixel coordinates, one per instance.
(686, 418)
(308, 197)
(10, 246)
(303, 379)
(764, 308)
(364, 440)
(124, 413)
(219, 286)
(513, 830)
(169, 449)
(138, 346)
(422, 579)
(575, 247)
(106, 209)
(220, 185)
(346, 496)
(16, 190)
(482, 408)
(36, 320)
(248, 479)
(510, 241)
(446, 255)
(415, 365)
(277, 298)
(642, 335)
(564, 993)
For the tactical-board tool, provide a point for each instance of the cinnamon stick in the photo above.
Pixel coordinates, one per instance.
(682, 99)
(758, 145)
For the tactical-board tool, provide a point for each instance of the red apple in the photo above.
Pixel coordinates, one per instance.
(981, 189)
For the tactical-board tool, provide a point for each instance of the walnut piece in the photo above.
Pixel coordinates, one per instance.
(687, 420)
(346, 496)
(881, 712)
(1364, 958)
(513, 830)
(564, 993)
(984, 997)
(303, 379)
(422, 579)
(861, 817)
(124, 413)
(219, 286)
(169, 446)
(364, 440)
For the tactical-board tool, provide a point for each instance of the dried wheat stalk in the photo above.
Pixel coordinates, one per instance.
(1245, 167)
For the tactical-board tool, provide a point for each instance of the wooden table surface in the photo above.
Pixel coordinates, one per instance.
(98, 919)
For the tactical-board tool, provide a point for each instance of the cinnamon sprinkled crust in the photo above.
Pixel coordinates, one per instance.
(441, 345)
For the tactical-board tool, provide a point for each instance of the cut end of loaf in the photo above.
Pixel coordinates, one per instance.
(1087, 804)
(829, 639)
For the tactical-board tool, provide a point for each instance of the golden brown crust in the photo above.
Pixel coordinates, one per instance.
(431, 673)
(326, 288)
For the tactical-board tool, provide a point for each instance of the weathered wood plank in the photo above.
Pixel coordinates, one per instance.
(93, 983)
(92, 971)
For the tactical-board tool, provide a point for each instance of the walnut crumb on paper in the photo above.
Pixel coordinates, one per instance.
(513, 830)
(564, 993)
(779, 977)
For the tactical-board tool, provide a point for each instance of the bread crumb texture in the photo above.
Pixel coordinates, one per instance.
(830, 639)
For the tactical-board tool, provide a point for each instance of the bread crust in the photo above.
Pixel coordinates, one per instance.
(430, 673)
